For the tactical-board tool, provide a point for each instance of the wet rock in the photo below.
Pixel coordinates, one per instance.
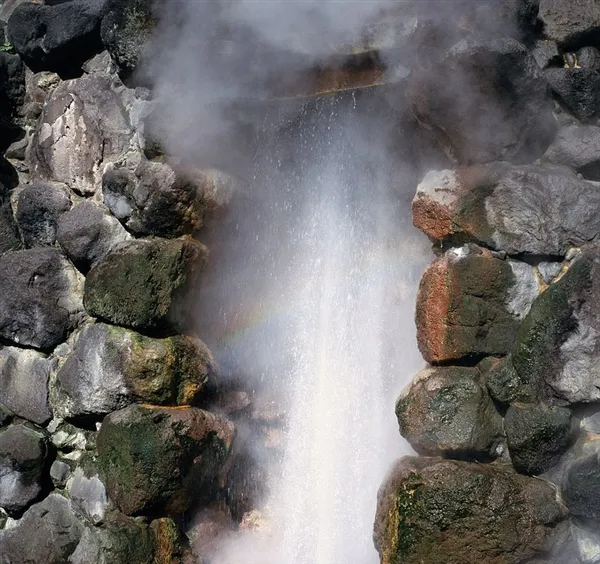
(87, 232)
(469, 303)
(446, 412)
(556, 210)
(154, 200)
(570, 24)
(88, 495)
(210, 528)
(432, 510)
(537, 436)
(83, 125)
(111, 367)
(578, 89)
(581, 487)
(23, 453)
(56, 37)
(125, 31)
(38, 210)
(40, 297)
(505, 113)
(145, 284)
(546, 54)
(59, 473)
(54, 527)
(66, 437)
(158, 457)
(24, 376)
(577, 147)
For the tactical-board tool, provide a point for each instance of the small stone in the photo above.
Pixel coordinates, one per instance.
(88, 495)
(549, 270)
(59, 473)
(589, 58)
(546, 54)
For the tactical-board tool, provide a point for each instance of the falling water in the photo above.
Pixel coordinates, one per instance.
(326, 259)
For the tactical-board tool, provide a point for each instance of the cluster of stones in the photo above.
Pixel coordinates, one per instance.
(505, 416)
(104, 442)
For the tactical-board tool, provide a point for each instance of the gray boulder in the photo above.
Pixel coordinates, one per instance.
(38, 209)
(23, 453)
(40, 297)
(578, 89)
(87, 232)
(570, 24)
(146, 284)
(577, 147)
(532, 209)
(83, 125)
(111, 367)
(24, 376)
(446, 412)
(48, 532)
(537, 436)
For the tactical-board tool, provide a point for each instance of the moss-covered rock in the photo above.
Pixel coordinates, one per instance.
(445, 411)
(111, 367)
(161, 458)
(432, 510)
(146, 284)
(537, 436)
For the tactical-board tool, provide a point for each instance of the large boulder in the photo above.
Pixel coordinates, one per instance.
(571, 24)
(87, 232)
(83, 125)
(161, 458)
(40, 297)
(431, 510)
(48, 532)
(537, 436)
(470, 303)
(57, 37)
(126, 29)
(578, 89)
(38, 210)
(484, 101)
(111, 367)
(531, 209)
(577, 147)
(445, 411)
(24, 376)
(23, 453)
(153, 200)
(145, 284)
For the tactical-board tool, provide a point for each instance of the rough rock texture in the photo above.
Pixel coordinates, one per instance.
(435, 510)
(537, 436)
(546, 54)
(158, 457)
(577, 147)
(23, 453)
(154, 200)
(54, 527)
(88, 495)
(534, 209)
(570, 23)
(145, 284)
(581, 487)
(56, 37)
(24, 378)
(578, 89)
(40, 297)
(87, 232)
(38, 210)
(507, 114)
(111, 367)
(125, 31)
(469, 304)
(82, 126)
(446, 412)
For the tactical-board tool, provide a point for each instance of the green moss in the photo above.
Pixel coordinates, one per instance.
(408, 500)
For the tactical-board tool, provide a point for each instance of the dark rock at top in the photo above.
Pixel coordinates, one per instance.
(38, 210)
(579, 148)
(571, 24)
(577, 89)
(39, 297)
(484, 101)
(58, 37)
(126, 29)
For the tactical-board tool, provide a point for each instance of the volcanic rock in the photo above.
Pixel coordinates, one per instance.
(159, 457)
(40, 297)
(578, 89)
(577, 147)
(546, 54)
(581, 486)
(111, 367)
(23, 453)
(38, 210)
(446, 412)
(145, 284)
(432, 510)
(571, 24)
